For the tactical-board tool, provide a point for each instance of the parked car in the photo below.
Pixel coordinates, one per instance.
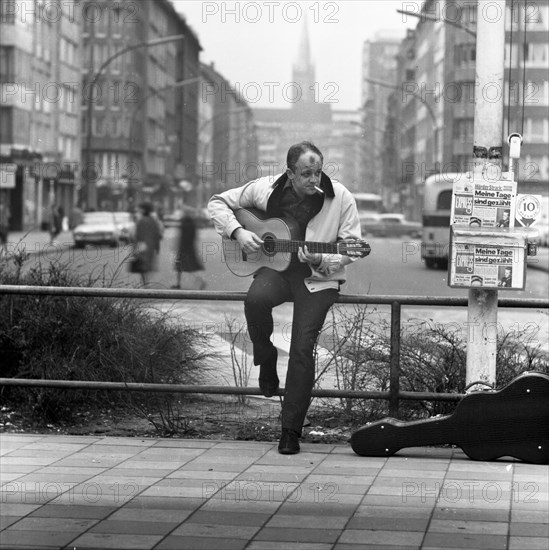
(369, 221)
(396, 225)
(97, 228)
(126, 225)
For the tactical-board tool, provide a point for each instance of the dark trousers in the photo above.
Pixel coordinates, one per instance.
(268, 290)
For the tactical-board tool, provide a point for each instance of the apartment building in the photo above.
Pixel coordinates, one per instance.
(435, 97)
(227, 140)
(40, 60)
(379, 58)
(141, 107)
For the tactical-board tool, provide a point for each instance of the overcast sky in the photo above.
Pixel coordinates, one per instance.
(255, 44)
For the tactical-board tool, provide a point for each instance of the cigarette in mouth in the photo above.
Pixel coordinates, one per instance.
(318, 190)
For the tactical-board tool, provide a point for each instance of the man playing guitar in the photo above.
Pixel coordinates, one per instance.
(321, 210)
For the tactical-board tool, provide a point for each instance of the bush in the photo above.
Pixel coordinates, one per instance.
(432, 359)
(92, 339)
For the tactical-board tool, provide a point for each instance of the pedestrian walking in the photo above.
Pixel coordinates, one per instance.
(320, 209)
(186, 258)
(147, 242)
(56, 222)
(5, 216)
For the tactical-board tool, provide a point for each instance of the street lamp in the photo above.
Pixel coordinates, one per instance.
(90, 190)
(418, 98)
(436, 20)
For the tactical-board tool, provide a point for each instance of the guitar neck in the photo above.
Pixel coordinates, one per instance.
(313, 247)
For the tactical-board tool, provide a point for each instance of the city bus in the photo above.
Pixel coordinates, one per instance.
(437, 203)
(368, 203)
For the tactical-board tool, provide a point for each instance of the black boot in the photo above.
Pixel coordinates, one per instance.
(289, 442)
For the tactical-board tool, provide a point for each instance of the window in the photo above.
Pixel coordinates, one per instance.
(6, 128)
(463, 129)
(98, 123)
(444, 200)
(464, 55)
(7, 62)
(536, 54)
(536, 130)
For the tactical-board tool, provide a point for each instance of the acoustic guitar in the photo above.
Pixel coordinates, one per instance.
(486, 425)
(278, 239)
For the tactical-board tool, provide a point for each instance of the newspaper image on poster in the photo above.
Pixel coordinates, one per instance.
(479, 203)
(486, 263)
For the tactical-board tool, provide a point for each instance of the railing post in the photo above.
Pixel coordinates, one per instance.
(394, 360)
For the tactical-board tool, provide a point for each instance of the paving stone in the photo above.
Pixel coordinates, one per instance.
(161, 502)
(388, 523)
(35, 539)
(162, 515)
(229, 518)
(382, 538)
(530, 516)
(299, 535)
(466, 540)
(530, 530)
(262, 507)
(6, 521)
(117, 540)
(309, 522)
(531, 543)
(365, 546)
(396, 512)
(63, 511)
(478, 527)
(201, 543)
(133, 527)
(222, 531)
(470, 514)
(269, 545)
(34, 523)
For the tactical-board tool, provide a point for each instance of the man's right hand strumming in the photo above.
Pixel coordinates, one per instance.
(249, 242)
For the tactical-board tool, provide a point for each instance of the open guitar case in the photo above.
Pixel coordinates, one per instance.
(486, 425)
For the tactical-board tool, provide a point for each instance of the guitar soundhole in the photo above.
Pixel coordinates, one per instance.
(269, 244)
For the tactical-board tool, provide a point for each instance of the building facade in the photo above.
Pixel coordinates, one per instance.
(434, 99)
(227, 140)
(141, 107)
(40, 62)
(378, 64)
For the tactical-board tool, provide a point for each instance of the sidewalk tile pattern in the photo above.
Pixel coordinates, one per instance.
(100, 492)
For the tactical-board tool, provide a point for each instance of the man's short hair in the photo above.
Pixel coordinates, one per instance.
(296, 150)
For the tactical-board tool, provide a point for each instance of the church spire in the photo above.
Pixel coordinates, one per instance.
(304, 52)
(304, 70)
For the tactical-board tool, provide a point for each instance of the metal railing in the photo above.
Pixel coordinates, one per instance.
(393, 396)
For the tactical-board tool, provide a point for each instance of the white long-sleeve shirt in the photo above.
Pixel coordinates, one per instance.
(337, 220)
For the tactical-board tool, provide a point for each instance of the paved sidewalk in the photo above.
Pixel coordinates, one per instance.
(100, 492)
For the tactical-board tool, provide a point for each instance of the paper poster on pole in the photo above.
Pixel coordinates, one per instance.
(479, 203)
(487, 260)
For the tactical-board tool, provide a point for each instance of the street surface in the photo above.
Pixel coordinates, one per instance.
(393, 267)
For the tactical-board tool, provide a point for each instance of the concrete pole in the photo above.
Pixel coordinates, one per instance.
(487, 152)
